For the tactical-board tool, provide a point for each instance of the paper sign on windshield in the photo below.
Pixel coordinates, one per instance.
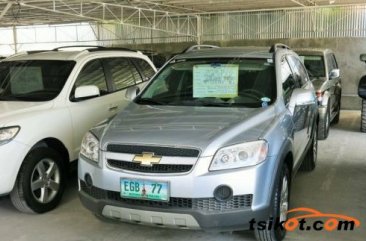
(215, 80)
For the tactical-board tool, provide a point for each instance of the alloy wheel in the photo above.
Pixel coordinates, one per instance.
(45, 181)
(284, 204)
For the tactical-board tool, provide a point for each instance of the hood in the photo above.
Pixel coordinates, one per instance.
(318, 83)
(10, 109)
(192, 127)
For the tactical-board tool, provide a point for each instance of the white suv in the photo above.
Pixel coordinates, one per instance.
(48, 101)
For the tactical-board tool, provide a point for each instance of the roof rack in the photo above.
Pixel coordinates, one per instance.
(201, 46)
(94, 48)
(277, 46)
(112, 49)
(36, 51)
(77, 46)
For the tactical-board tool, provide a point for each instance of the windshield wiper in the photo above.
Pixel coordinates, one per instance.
(149, 101)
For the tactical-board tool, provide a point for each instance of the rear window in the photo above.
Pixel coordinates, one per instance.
(314, 65)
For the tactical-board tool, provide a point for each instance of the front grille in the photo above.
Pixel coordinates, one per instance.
(201, 204)
(156, 168)
(157, 150)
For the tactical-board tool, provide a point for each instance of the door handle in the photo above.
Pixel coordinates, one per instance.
(113, 108)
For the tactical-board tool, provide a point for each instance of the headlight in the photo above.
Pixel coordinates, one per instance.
(241, 155)
(8, 133)
(90, 147)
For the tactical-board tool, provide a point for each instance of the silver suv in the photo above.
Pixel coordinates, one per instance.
(211, 143)
(323, 70)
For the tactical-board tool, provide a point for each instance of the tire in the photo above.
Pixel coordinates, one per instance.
(363, 116)
(45, 169)
(338, 115)
(324, 125)
(280, 207)
(311, 157)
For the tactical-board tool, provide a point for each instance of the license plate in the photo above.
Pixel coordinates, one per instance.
(144, 189)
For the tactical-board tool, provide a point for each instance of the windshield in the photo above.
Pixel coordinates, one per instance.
(314, 65)
(33, 80)
(213, 82)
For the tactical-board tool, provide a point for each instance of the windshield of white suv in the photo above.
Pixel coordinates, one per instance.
(33, 80)
(314, 65)
(213, 82)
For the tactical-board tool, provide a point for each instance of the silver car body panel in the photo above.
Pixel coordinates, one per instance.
(207, 129)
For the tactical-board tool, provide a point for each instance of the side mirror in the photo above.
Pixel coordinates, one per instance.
(335, 73)
(362, 88)
(301, 97)
(363, 57)
(132, 92)
(86, 91)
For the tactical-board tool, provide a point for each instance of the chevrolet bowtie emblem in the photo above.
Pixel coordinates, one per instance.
(147, 159)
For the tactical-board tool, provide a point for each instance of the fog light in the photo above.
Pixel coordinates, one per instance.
(223, 193)
(88, 180)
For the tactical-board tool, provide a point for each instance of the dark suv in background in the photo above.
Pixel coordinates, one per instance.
(323, 71)
(362, 94)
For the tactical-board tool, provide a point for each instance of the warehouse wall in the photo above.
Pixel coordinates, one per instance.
(347, 51)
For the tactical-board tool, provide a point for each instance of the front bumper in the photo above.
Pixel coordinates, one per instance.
(174, 217)
(12, 155)
(252, 183)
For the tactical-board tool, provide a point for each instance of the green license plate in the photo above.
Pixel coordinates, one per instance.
(144, 189)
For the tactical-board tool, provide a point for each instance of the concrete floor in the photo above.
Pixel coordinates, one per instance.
(338, 185)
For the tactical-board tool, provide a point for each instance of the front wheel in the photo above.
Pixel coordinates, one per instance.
(40, 183)
(279, 209)
(324, 125)
(311, 157)
(338, 115)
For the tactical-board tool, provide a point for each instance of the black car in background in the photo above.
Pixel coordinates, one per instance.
(362, 94)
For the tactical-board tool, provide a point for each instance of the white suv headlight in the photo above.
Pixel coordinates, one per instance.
(241, 155)
(8, 133)
(90, 147)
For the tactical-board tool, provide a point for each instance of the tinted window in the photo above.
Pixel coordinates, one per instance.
(314, 65)
(288, 80)
(33, 80)
(124, 74)
(146, 68)
(213, 82)
(93, 74)
(298, 69)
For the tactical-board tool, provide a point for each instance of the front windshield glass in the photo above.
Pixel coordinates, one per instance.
(314, 65)
(213, 82)
(33, 80)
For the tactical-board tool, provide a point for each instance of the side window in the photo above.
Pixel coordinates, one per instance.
(299, 70)
(123, 73)
(145, 68)
(288, 80)
(331, 62)
(92, 74)
(335, 61)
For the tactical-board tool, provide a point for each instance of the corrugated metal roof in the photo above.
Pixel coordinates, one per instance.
(29, 12)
